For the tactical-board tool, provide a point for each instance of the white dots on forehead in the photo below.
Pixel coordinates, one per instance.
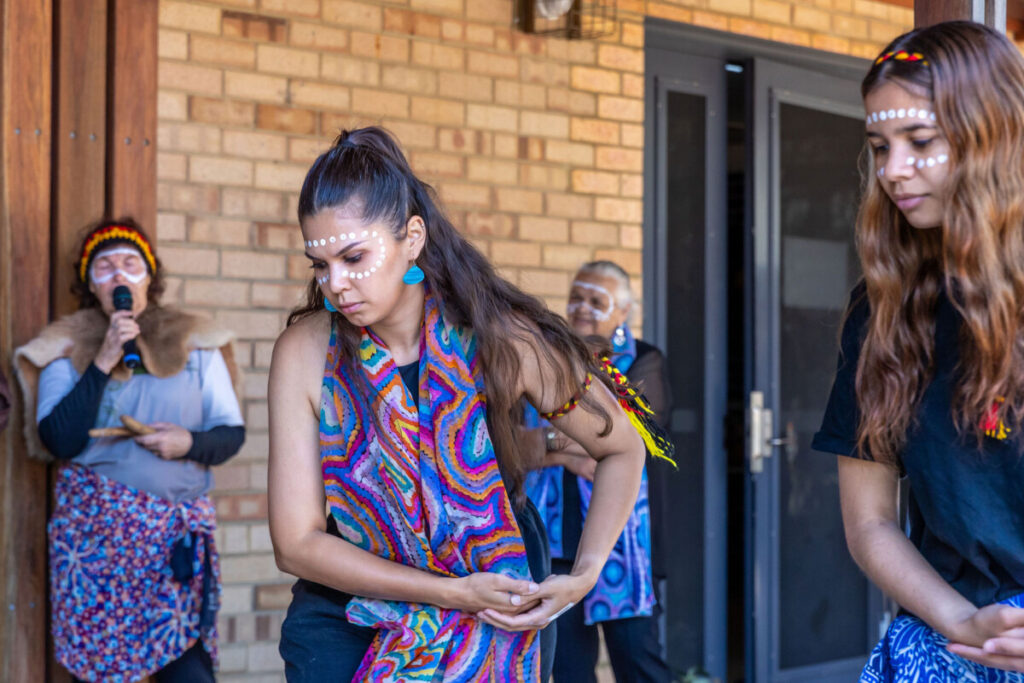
(353, 274)
(892, 114)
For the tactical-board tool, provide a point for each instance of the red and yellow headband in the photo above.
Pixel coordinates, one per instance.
(115, 233)
(902, 56)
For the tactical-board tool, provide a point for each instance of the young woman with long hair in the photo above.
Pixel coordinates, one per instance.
(930, 383)
(396, 400)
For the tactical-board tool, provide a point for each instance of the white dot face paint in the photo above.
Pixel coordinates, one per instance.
(362, 249)
(601, 309)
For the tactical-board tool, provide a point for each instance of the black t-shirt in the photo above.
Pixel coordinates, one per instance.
(966, 507)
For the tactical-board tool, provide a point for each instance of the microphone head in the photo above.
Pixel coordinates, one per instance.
(122, 298)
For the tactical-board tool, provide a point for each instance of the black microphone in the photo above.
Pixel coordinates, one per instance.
(123, 302)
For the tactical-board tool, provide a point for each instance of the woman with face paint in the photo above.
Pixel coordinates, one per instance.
(623, 602)
(930, 384)
(396, 400)
(134, 576)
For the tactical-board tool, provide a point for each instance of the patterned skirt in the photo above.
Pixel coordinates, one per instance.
(912, 651)
(118, 612)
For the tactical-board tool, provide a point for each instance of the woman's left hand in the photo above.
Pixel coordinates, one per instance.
(557, 594)
(1005, 651)
(169, 441)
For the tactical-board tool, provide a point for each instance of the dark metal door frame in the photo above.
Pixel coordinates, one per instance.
(668, 71)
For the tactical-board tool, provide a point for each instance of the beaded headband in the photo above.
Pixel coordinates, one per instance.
(114, 233)
(902, 56)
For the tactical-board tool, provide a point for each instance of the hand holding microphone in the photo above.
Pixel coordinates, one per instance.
(120, 338)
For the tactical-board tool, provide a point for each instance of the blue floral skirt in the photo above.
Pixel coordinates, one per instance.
(912, 651)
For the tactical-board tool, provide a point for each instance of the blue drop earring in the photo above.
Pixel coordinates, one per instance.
(328, 306)
(413, 276)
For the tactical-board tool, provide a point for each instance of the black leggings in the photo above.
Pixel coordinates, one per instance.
(195, 666)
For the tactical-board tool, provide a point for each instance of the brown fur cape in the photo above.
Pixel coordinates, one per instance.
(167, 337)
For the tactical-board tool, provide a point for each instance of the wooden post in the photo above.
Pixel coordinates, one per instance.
(989, 12)
(25, 143)
(132, 70)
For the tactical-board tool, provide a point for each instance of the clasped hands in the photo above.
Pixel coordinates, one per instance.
(993, 636)
(520, 605)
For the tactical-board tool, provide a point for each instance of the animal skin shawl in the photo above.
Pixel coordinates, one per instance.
(420, 485)
(166, 338)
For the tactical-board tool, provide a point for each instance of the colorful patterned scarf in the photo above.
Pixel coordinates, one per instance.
(118, 612)
(420, 485)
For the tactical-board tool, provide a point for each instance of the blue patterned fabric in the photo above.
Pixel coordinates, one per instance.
(625, 588)
(912, 651)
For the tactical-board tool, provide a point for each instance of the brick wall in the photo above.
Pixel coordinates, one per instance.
(535, 144)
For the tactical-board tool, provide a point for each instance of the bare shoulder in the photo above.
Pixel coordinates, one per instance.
(301, 349)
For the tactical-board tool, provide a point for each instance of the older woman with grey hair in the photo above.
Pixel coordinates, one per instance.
(623, 602)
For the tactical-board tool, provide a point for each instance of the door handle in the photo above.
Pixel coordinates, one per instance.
(762, 426)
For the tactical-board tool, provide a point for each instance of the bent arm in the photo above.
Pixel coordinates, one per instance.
(868, 494)
(66, 411)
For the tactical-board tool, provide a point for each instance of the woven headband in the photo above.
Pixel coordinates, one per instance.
(112, 233)
(902, 56)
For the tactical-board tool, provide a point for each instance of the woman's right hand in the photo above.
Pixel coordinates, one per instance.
(486, 590)
(122, 328)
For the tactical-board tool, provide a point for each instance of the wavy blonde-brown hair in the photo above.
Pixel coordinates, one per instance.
(975, 80)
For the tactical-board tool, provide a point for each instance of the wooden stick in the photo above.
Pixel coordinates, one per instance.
(137, 427)
(116, 432)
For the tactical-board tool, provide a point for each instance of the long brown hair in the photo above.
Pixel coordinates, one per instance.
(975, 80)
(368, 166)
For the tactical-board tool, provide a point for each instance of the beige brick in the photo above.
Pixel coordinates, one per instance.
(593, 130)
(463, 86)
(219, 231)
(541, 282)
(524, 95)
(219, 171)
(492, 117)
(479, 34)
(620, 108)
(811, 18)
(545, 72)
(731, 6)
(277, 296)
(453, 7)
(171, 44)
(190, 78)
(434, 110)
(492, 171)
(171, 166)
(274, 596)
(632, 135)
(257, 87)
(305, 150)
(830, 43)
(565, 256)
(619, 159)
(496, 12)
(516, 200)
(300, 121)
(791, 35)
(544, 176)
(220, 293)
(488, 224)
(771, 10)
(413, 134)
(376, 46)
(358, 14)
(719, 22)
(572, 101)
(593, 233)
(190, 261)
(192, 198)
(620, 58)
(170, 227)
(254, 145)
(279, 236)
(437, 164)
(460, 140)
(633, 33)
(256, 204)
(745, 27)
(287, 177)
(595, 182)
(188, 138)
(254, 265)
(519, 146)
(319, 95)
(492, 64)
(407, 79)
(350, 70)
(631, 236)
(438, 56)
(287, 61)
(544, 124)
(317, 36)
(609, 209)
(850, 27)
(226, 112)
(662, 10)
(220, 51)
(230, 477)
(247, 568)
(632, 185)
(380, 103)
(477, 196)
(306, 8)
(171, 105)
(568, 205)
(398, 20)
(505, 253)
(543, 229)
(189, 16)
